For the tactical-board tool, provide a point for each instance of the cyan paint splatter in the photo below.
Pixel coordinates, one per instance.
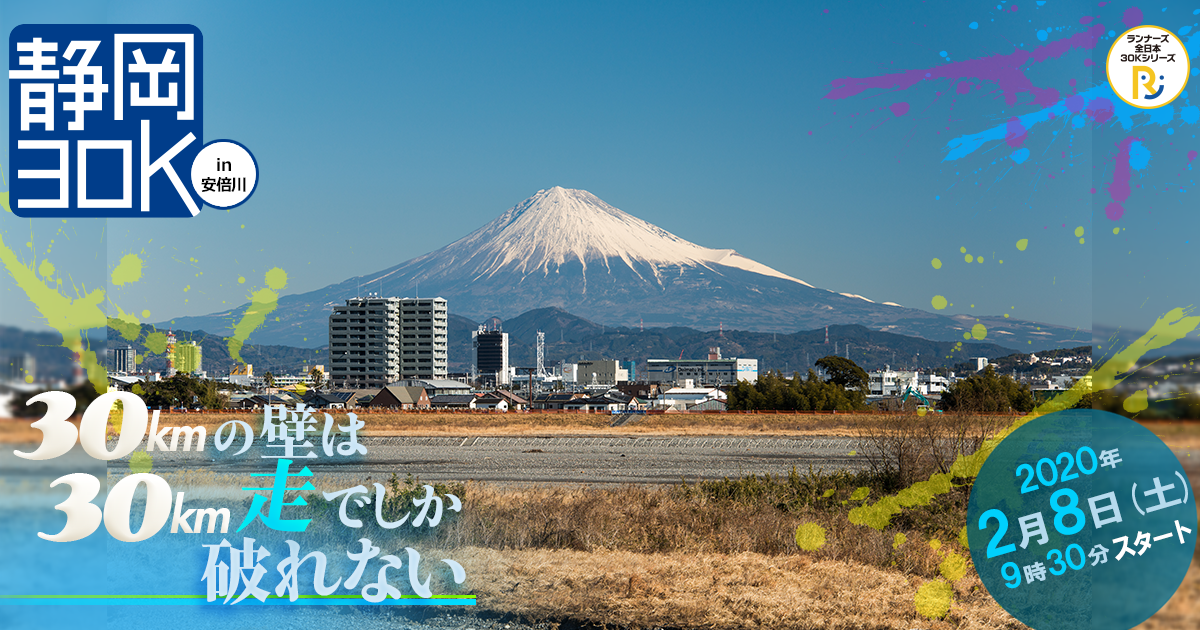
(1139, 156)
(1020, 155)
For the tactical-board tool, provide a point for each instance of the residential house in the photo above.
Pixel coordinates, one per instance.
(397, 397)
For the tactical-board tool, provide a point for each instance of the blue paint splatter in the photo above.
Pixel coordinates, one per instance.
(1139, 156)
(1185, 30)
(1170, 131)
(937, 197)
(943, 53)
(973, 25)
(1112, 33)
(1119, 112)
(1190, 114)
(1020, 155)
(1162, 115)
(1041, 35)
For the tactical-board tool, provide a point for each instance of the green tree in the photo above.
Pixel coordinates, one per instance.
(844, 372)
(987, 392)
(269, 379)
(183, 390)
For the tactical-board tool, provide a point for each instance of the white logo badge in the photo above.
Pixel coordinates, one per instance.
(1148, 66)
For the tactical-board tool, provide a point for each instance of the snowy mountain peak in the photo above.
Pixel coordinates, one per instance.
(560, 225)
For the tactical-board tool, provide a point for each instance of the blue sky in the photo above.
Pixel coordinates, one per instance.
(387, 130)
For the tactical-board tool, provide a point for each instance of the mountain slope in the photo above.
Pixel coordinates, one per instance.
(568, 249)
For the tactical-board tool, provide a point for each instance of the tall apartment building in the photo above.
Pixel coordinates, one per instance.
(375, 341)
(187, 357)
(423, 352)
(491, 356)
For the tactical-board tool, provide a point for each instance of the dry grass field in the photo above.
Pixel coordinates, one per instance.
(711, 555)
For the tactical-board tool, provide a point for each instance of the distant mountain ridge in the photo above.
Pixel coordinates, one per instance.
(570, 338)
(568, 249)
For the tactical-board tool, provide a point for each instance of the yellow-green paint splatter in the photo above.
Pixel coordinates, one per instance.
(1022, 244)
(979, 331)
(1116, 231)
(935, 544)
(1079, 231)
(860, 493)
(156, 342)
(828, 493)
(933, 599)
(128, 271)
(1137, 402)
(953, 567)
(262, 303)
(46, 269)
(937, 263)
(810, 536)
(141, 462)
(938, 302)
(68, 316)
(899, 539)
(969, 258)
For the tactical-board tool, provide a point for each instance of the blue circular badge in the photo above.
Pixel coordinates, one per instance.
(1082, 519)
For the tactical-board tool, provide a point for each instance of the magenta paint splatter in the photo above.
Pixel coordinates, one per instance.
(964, 87)
(1071, 82)
(1100, 110)
(1088, 62)
(1119, 188)
(1093, 191)
(1087, 19)
(1191, 155)
(1014, 133)
(1132, 17)
(1074, 104)
(899, 109)
(1005, 70)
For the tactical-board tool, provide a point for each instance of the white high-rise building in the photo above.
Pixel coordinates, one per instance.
(423, 351)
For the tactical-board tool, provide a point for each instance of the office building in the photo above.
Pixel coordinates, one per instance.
(713, 371)
(22, 368)
(491, 356)
(124, 360)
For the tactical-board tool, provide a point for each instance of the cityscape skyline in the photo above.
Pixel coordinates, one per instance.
(857, 194)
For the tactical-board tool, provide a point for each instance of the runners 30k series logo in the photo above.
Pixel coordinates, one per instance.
(1148, 66)
(108, 121)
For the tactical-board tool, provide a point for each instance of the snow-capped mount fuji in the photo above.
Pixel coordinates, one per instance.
(560, 227)
(569, 249)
